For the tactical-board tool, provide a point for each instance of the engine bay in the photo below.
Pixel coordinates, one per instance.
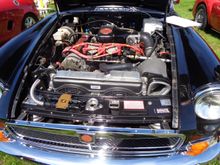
(102, 69)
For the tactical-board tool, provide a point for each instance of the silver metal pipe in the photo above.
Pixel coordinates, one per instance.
(33, 97)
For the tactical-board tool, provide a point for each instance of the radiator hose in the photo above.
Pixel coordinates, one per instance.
(148, 43)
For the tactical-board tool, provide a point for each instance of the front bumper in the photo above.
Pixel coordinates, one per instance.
(48, 157)
(49, 154)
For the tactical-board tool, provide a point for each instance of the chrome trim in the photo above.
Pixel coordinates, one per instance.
(201, 93)
(82, 129)
(206, 88)
(73, 131)
(92, 153)
(19, 149)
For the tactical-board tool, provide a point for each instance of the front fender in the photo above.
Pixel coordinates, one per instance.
(197, 65)
(15, 55)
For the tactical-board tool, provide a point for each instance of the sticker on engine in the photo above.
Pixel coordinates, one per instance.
(134, 104)
(165, 102)
(95, 87)
(163, 110)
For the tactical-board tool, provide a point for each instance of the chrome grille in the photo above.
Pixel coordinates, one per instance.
(117, 144)
(139, 142)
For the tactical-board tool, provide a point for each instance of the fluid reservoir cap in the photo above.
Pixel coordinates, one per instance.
(106, 30)
(106, 34)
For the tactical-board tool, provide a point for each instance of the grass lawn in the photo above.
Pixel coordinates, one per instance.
(184, 9)
(10, 160)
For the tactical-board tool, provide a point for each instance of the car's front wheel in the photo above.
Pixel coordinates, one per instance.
(28, 21)
(201, 16)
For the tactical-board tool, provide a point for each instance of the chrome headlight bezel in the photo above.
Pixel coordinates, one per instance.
(207, 102)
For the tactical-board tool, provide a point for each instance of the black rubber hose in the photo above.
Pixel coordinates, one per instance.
(108, 67)
(148, 43)
(154, 47)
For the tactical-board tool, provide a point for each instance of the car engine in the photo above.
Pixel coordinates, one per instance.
(112, 61)
(99, 71)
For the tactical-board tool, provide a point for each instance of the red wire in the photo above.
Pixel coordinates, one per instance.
(101, 49)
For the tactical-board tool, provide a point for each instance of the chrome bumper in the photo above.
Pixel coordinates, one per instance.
(56, 158)
(17, 147)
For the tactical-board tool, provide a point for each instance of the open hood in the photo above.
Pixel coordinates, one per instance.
(159, 5)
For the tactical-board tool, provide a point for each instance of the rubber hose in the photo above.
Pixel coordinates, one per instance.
(148, 43)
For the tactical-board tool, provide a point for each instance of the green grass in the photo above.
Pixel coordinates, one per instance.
(184, 9)
(11, 160)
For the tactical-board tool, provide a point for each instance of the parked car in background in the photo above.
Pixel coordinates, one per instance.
(110, 82)
(207, 12)
(15, 16)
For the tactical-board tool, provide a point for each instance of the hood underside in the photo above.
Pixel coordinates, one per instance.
(159, 5)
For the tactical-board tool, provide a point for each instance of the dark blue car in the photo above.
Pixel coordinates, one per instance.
(109, 82)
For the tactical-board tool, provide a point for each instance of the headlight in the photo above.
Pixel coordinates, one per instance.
(207, 102)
